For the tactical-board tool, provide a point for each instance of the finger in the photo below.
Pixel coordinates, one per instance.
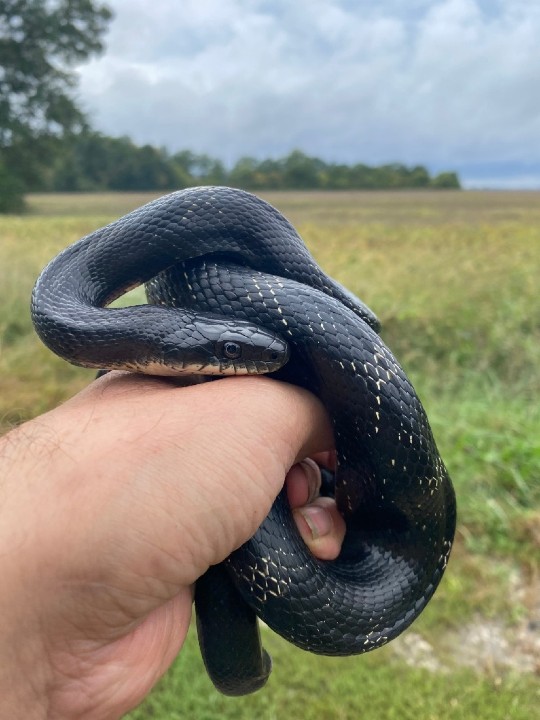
(326, 459)
(303, 483)
(318, 520)
(321, 526)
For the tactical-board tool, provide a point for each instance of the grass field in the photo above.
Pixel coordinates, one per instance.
(453, 277)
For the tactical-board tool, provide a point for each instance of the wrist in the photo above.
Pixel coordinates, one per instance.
(23, 675)
(23, 667)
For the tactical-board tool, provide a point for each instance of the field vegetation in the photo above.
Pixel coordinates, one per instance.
(454, 280)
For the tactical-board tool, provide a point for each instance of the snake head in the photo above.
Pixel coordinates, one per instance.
(211, 346)
(260, 352)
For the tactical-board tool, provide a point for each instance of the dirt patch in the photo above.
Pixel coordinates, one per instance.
(487, 645)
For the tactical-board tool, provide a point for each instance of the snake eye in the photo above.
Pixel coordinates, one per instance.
(232, 350)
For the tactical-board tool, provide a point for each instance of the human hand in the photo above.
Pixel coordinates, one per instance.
(112, 506)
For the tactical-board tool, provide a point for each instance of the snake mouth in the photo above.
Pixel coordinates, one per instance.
(241, 367)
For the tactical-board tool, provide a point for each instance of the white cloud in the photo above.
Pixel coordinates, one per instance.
(447, 83)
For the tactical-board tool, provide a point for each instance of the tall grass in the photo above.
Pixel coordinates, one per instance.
(453, 278)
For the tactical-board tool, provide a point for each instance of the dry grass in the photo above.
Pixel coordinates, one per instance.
(454, 278)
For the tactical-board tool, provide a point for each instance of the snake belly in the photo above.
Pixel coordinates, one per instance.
(225, 272)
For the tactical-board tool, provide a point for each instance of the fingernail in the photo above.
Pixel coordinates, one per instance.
(313, 475)
(318, 520)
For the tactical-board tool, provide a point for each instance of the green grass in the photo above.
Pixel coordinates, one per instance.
(374, 687)
(453, 277)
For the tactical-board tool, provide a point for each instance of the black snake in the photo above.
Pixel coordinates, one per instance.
(233, 289)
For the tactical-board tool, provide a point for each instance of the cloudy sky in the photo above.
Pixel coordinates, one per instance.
(450, 84)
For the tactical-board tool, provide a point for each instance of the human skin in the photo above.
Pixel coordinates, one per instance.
(113, 504)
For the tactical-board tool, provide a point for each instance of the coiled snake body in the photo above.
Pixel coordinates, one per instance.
(232, 289)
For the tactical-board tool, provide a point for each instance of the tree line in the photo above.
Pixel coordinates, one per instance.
(92, 161)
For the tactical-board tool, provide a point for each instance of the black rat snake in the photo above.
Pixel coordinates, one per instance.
(233, 289)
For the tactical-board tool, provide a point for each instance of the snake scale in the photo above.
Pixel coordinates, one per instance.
(232, 289)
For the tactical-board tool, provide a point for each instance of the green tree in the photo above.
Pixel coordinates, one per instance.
(336, 177)
(302, 171)
(363, 177)
(193, 169)
(446, 181)
(418, 177)
(244, 173)
(40, 40)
